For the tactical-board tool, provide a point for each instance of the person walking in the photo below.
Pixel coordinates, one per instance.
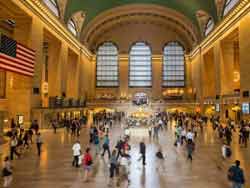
(106, 146)
(13, 147)
(54, 126)
(123, 169)
(228, 135)
(150, 132)
(39, 143)
(113, 167)
(226, 151)
(119, 147)
(7, 172)
(236, 175)
(87, 164)
(143, 152)
(190, 149)
(76, 154)
(190, 135)
(96, 142)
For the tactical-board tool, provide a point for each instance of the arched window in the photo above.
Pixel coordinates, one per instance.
(72, 27)
(140, 68)
(229, 5)
(209, 26)
(53, 6)
(173, 65)
(107, 66)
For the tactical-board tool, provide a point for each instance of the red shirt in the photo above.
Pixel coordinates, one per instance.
(86, 159)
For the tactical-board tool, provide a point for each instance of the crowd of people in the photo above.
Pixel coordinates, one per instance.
(187, 128)
(21, 141)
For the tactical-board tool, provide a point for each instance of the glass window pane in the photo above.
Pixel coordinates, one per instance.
(229, 5)
(52, 5)
(107, 66)
(140, 68)
(173, 65)
(209, 26)
(72, 27)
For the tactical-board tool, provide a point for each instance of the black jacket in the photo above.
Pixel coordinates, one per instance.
(142, 148)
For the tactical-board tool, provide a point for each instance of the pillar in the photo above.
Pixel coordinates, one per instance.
(35, 42)
(63, 59)
(244, 44)
(55, 68)
(123, 75)
(157, 76)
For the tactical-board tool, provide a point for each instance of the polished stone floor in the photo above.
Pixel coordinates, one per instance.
(54, 170)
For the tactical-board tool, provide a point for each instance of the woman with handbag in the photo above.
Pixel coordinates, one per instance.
(7, 172)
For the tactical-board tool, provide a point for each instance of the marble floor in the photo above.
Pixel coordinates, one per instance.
(53, 169)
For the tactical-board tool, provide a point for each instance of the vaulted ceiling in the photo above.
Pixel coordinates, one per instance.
(188, 8)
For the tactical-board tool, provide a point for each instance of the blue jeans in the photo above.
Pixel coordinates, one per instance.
(237, 185)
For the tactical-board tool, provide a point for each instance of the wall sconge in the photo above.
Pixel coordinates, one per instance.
(236, 76)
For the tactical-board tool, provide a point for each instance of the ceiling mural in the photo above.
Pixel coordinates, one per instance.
(188, 8)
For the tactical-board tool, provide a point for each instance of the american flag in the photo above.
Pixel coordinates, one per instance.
(15, 57)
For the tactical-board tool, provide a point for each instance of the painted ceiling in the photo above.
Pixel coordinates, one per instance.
(92, 8)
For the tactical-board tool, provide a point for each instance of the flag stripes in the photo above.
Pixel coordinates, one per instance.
(16, 58)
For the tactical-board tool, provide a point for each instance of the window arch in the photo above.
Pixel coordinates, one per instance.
(209, 26)
(53, 6)
(229, 5)
(173, 65)
(107, 66)
(140, 65)
(72, 27)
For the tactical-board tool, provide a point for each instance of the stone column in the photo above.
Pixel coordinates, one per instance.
(55, 69)
(198, 80)
(244, 44)
(188, 79)
(36, 39)
(63, 59)
(87, 77)
(157, 76)
(123, 74)
(218, 65)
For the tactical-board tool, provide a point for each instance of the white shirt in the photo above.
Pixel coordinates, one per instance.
(190, 136)
(160, 122)
(76, 149)
(183, 132)
(127, 132)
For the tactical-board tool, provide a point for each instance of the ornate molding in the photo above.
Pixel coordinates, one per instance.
(79, 18)
(116, 15)
(51, 21)
(242, 9)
